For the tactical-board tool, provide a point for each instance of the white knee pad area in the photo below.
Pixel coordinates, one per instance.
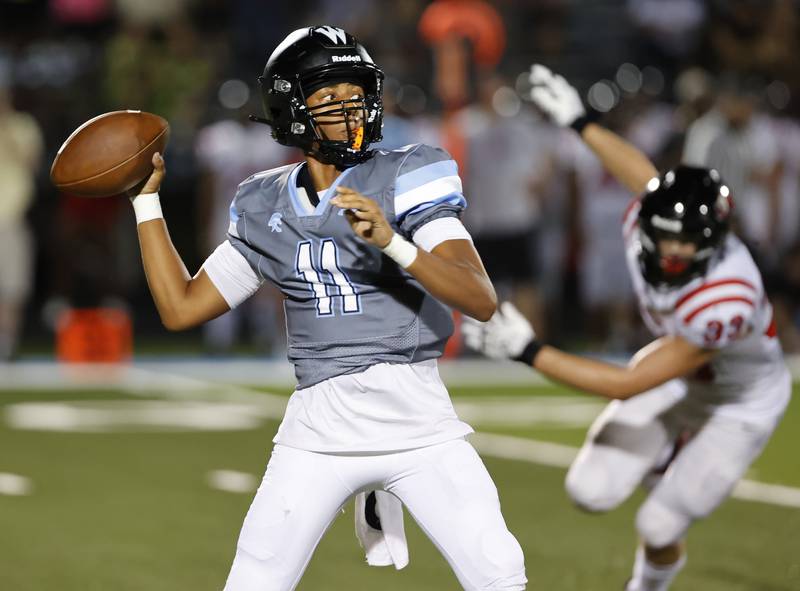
(502, 551)
(262, 572)
(659, 525)
(591, 486)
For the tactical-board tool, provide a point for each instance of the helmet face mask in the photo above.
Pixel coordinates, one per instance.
(350, 114)
(309, 59)
(685, 206)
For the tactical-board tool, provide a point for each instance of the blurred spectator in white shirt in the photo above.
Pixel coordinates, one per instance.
(20, 157)
(737, 140)
(228, 151)
(668, 32)
(511, 160)
(604, 285)
(786, 134)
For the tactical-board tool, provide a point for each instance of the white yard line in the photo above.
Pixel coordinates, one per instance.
(15, 485)
(561, 456)
(772, 494)
(232, 481)
(521, 449)
(541, 453)
(526, 411)
(133, 416)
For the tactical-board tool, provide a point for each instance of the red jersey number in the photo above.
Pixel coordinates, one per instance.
(715, 330)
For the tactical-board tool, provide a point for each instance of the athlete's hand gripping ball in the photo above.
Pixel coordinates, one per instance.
(152, 183)
(365, 216)
(504, 336)
(555, 96)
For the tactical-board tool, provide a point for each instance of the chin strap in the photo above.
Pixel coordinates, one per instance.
(341, 158)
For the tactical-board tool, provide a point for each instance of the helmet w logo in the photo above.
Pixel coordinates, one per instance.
(335, 34)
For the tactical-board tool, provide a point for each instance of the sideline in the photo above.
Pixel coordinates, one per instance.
(254, 372)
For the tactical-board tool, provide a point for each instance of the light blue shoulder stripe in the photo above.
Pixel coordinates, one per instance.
(456, 199)
(234, 215)
(424, 174)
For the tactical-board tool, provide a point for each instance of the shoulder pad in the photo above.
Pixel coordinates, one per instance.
(426, 177)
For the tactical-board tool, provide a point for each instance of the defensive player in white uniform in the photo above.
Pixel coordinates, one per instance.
(369, 252)
(714, 380)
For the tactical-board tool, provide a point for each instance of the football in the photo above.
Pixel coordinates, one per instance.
(109, 154)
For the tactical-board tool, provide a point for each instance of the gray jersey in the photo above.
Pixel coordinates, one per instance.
(347, 305)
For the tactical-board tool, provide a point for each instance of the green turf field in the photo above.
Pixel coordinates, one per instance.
(129, 508)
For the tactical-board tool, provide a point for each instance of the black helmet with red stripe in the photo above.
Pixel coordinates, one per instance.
(689, 205)
(306, 60)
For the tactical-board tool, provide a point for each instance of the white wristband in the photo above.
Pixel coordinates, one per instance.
(147, 206)
(400, 251)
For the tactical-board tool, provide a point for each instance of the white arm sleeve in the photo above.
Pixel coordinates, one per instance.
(432, 234)
(231, 274)
(699, 137)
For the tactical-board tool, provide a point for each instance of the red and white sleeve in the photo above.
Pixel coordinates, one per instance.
(718, 312)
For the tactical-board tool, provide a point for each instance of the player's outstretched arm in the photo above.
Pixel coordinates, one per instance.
(556, 97)
(182, 301)
(452, 272)
(508, 335)
(662, 360)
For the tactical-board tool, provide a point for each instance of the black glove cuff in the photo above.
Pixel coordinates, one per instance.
(529, 353)
(590, 117)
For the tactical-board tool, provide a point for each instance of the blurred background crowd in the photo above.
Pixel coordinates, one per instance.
(711, 82)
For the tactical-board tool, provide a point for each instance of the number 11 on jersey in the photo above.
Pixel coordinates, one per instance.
(328, 265)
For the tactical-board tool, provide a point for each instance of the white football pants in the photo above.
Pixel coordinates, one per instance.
(631, 438)
(445, 487)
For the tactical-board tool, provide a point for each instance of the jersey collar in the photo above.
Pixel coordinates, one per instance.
(297, 203)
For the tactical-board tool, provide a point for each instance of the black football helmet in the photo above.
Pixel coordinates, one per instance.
(688, 204)
(306, 60)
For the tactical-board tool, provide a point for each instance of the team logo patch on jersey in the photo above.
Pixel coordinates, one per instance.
(275, 222)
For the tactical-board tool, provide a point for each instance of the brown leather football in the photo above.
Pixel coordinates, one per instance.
(109, 154)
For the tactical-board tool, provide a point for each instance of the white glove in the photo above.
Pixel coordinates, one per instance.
(555, 96)
(504, 336)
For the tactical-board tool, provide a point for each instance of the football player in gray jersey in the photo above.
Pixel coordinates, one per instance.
(368, 249)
